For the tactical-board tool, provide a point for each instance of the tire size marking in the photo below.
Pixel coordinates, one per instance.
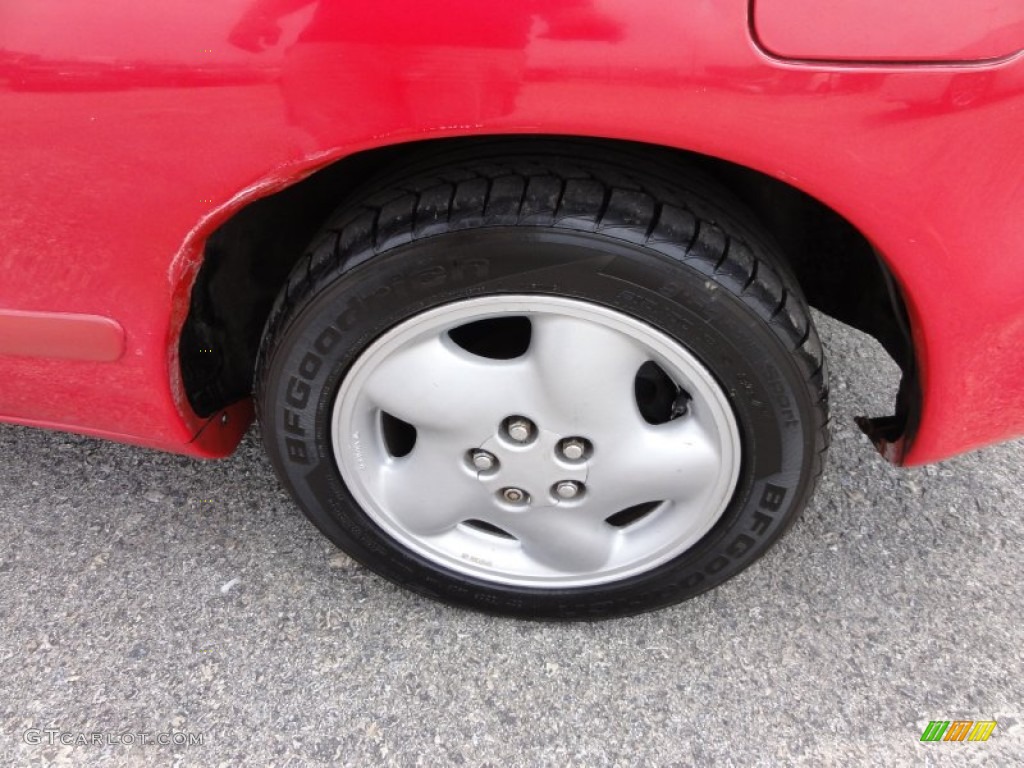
(777, 387)
(403, 285)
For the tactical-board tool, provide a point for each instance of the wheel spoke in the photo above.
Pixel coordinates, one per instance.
(587, 373)
(434, 383)
(566, 540)
(676, 461)
(427, 492)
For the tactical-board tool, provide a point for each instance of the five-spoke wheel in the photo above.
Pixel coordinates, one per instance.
(539, 469)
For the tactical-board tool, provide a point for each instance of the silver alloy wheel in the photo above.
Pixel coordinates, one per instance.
(536, 518)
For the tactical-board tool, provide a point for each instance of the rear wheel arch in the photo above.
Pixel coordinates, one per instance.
(247, 260)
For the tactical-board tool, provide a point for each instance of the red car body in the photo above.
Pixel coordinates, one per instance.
(129, 132)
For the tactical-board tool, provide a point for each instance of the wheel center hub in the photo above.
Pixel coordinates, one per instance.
(535, 467)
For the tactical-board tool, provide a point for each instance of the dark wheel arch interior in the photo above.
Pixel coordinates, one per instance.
(248, 258)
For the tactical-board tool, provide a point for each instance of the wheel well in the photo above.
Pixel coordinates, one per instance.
(248, 258)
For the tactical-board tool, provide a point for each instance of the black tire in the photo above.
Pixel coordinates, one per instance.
(657, 242)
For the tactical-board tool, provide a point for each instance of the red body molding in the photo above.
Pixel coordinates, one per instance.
(58, 335)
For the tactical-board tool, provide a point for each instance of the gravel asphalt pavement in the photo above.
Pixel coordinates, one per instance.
(144, 594)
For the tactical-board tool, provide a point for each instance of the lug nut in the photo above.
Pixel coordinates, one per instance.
(514, 496)
(573, 448)
(568, 489)
(483, 461)
(519, 429)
